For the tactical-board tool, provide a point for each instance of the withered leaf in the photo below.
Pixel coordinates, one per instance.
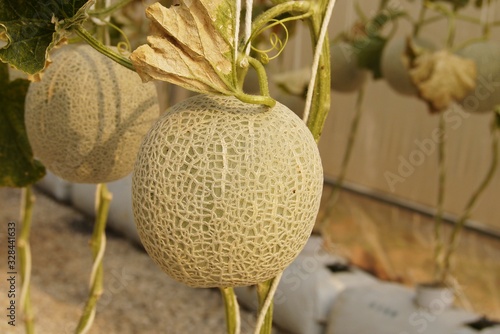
(442, 77)
(188, 47)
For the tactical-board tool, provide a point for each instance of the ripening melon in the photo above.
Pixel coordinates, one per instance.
(394, 70)
(486, 95)
(226, 193)
(346, 76)
(86, 118)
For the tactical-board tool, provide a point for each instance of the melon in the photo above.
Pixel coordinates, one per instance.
(486, 96)
(87, 116)
(226, 193)
(393, 68)
(346, 76)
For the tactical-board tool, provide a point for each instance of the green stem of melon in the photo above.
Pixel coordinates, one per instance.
(232, 310)
(102, 34)
(438, 217)
(454, 237)
(421, 19)
(23, 247)
(98, 245)
(255, 99)
(295, 7)
(106, 11)
(87, 37)
(452, 29)
(315, 115)
(265, 293)
(332, 199)
(261, 74)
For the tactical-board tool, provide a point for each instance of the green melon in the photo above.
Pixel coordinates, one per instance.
(486, 96)
(226, 193)
(394, 70)
(86, 118)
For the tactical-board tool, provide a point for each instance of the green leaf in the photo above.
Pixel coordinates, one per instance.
(369, 50)
(34, 27)
(18, 168)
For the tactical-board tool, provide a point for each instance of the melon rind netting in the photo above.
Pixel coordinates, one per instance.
(226, 193)
(87, 116)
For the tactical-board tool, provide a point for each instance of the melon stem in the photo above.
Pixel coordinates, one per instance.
(318, 93)
(438, 217)
(265, 293)
(101, 29)
(231, 306)
(332, 199)
(23, 247)
(93, 42)
(108, 10)
(98, 245)
(454, 237)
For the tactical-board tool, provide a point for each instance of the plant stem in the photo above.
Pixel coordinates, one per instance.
(318, 98)
(438, 218)
(453, 241)
(421, 19)
(101, 29)
(106, 11)
(256, 99)
(87, 37)
(232, 310)
(23, 246)
(265, 293)
(98, 245)
(261, 74)
(263, 19)
(332, 199)
(452, 29)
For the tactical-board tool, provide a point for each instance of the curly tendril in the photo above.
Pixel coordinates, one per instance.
(276, 43)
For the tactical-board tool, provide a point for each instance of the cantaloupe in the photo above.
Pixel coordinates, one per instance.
(226, 193)
(486, 96)
(346, 75)
(86, 118)
(394, 70)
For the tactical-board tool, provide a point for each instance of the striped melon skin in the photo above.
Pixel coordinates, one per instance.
(486, 96)
(226, 193)
(86, 118)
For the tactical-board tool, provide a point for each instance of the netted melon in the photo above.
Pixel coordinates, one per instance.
(86, 118)
(394, 70)
(486, 96)
(346, 76)
(226, 193)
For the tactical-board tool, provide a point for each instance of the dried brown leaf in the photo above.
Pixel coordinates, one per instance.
(187, 47)
(442, 78)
